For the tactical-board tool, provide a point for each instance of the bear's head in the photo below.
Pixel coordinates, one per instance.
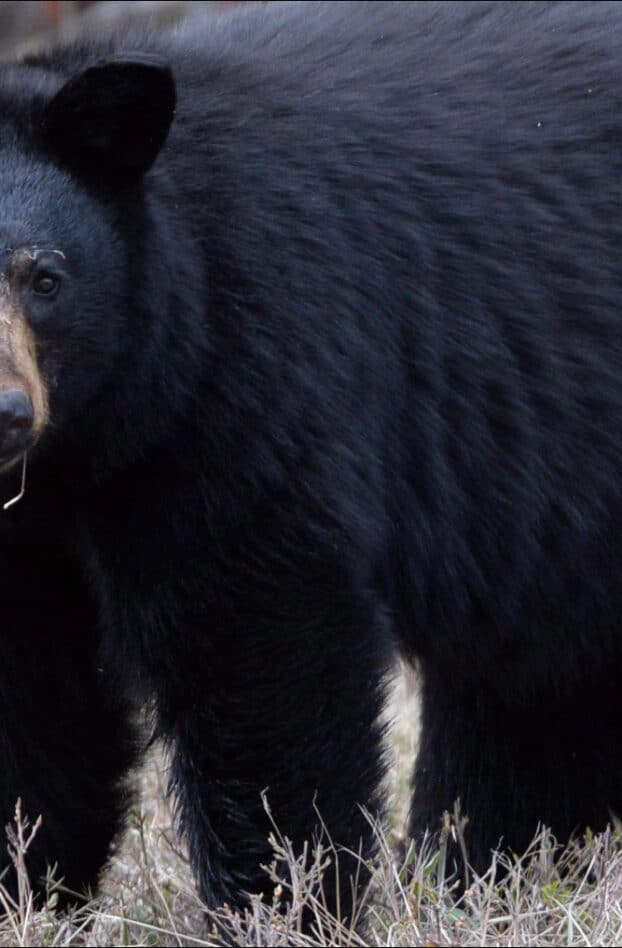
(73, 153)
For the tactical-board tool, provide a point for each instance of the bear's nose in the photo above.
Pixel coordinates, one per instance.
(16, 420)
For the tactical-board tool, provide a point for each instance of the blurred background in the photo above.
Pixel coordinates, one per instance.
(26, 24)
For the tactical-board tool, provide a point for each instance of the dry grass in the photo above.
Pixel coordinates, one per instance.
(148, 895)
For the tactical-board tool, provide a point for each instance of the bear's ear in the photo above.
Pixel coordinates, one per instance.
(109, 122)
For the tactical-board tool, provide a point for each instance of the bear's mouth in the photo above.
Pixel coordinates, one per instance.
(8, 462)
(16, 496)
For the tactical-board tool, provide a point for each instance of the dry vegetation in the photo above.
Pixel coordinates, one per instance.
(148, 895)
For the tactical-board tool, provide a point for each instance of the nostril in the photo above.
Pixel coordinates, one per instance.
(20, 422)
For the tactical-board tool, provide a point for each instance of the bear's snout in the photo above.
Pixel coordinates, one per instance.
(16, 423)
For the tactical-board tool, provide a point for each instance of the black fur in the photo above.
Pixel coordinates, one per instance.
(341, 376)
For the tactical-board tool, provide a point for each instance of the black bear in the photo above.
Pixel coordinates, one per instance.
(310, 355)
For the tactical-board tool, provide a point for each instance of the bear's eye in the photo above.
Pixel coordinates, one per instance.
(45, 284)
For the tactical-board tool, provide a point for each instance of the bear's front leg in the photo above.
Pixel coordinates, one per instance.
(65, 736)
(283, 696)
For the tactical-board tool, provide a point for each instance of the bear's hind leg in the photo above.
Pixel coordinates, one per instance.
(550, 762)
